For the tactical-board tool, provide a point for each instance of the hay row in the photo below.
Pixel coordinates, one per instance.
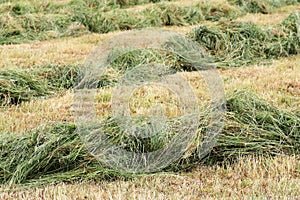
(229, 44)
(54, 153)
(23, 21)
(78, 17)
(234, 44)
(26, 7)
(255, 127)
(18, 85)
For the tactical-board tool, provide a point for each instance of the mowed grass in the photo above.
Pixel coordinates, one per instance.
(248, 177)
(277, 83)
(73, 50)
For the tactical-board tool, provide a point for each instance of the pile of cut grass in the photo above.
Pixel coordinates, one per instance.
(55, 153)
(123, 60)
(229, 44)
(26, 21)
(157, 15)
(23, 28)
(51, 153)
(18, 85)
(253, 126)
(233, 44)
(18, 7)
(19, 24)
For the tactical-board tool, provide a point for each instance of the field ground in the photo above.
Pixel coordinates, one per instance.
(248, 177)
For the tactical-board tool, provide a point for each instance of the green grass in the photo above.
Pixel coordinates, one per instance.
(229, 44)
(255, 127)
(234, 44)
(17, 85)
(23, 22)
(55, 152)
(26, 21)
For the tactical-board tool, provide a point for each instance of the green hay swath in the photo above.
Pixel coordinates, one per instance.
(233, 44)
(55, 153)
(22, 22)
(50, 152)
(17, 85)
(25, 21)
(254, 126)
(157, 15)
(229, 44)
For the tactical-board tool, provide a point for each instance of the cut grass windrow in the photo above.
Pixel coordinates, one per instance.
(55, 153)
(255, 126)
(17, 85)
(229, 45)
(18, 7)
(26, 21)
(233, 44)
(79, 17)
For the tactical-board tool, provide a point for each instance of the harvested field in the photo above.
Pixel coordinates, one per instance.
(255, 46)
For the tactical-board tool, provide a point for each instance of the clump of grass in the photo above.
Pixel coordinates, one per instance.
(230, 44)
(9, 28)
(234, 44)
(18, 85)
(123, 60)
(153, 16)
(24, 21)
(53, 153)
(20, 24)
(20, 167)
(253, 126)
(217, 11)
(253, 6)
(58, 76)
(23, 28)
(16, 7)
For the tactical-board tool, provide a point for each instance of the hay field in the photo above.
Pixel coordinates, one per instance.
(254, 43)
